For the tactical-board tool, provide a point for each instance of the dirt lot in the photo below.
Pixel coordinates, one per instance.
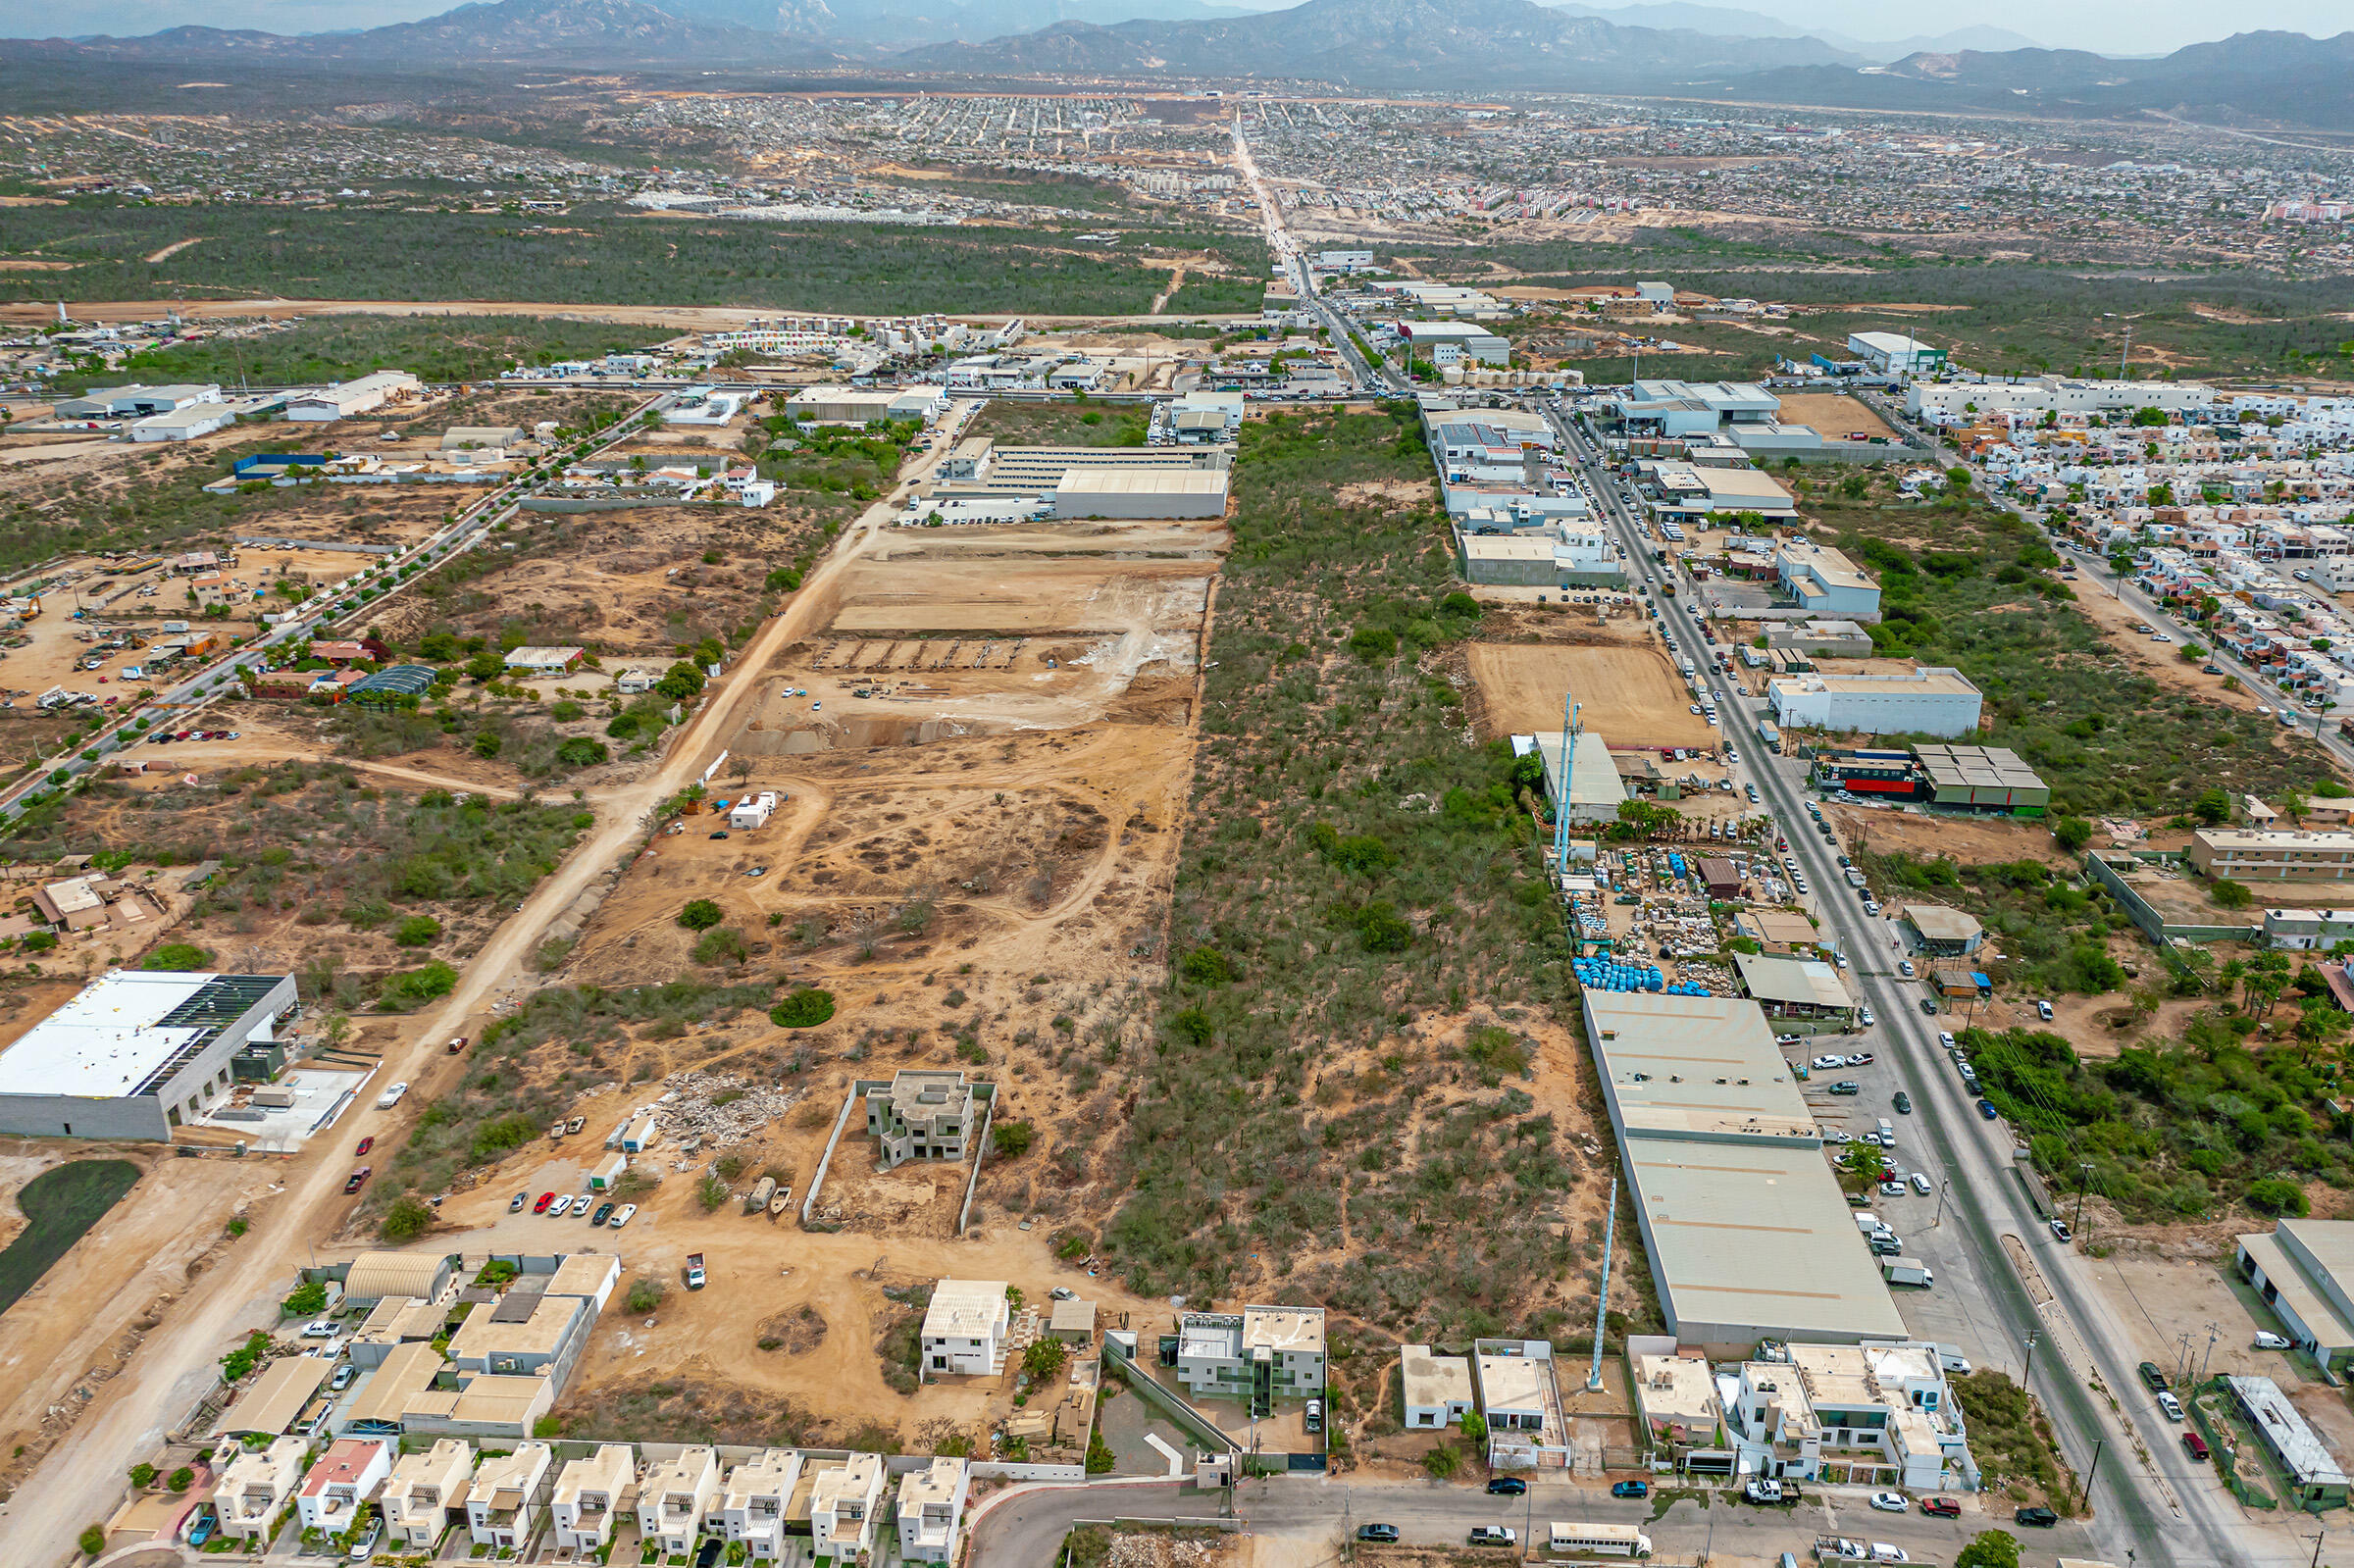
(1629, 695)
(2163, 662)
(1970, 841)
(1832, 415)
(75, 1329)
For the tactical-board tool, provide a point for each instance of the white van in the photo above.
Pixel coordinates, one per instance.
(1887, 1132)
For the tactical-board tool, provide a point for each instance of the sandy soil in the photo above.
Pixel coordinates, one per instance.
(1630, 695)
(1834, 415)
(2161, 661)
(75, 1331)
(1971, 841)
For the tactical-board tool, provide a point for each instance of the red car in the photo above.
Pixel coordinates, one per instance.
(366, 1144)
(2194, 1446)
(358, 1177)
(546, 1198)
(1941, 1507)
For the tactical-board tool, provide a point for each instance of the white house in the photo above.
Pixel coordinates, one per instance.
(845, 1499)
(424, 1489)
(502, 1507)
(675, 1498)
(752, 811)
(1438, 1387)
(965, 1327)
(932, 1510)
(753, 1503)
(346, 1474)
(255, 1485)
(589, 1496)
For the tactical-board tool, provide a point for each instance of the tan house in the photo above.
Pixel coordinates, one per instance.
(844, 1501)
(256, 1486)
(752, 1505)
(675, 1498)
(503, 1508)
(591, 1495)
(427, 1493)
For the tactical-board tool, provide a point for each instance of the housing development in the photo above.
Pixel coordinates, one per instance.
(810, 788)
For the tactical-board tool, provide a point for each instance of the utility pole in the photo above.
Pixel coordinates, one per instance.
(2085, 1486)
(2028, 1370)
(2213, 1330)
(2317, 1551)
(1944, 1190)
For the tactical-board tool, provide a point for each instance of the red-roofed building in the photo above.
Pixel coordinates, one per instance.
(347, 1475)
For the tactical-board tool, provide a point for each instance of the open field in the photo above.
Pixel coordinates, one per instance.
(1036, 596)
(1834, 415)
(72, 1333)
(337, 348)
(1629, 695)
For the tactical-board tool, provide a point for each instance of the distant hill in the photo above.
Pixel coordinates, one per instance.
(1426, 43)
(1723, 21)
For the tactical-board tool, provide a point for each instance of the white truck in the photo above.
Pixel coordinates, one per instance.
(1907, 1271)
(1684, 663)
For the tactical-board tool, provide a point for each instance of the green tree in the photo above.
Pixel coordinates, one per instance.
(805, 1008)
(486, 666)
(2071, 833)
(1012, 1138)
(307, 1298)
(183, 956)
(179, 1480)
(142, 1474)
(2277, 1197)
(418, 931)
(409, 1218)
(701, 914)
(1990, 1549)
(1475, 1426)
(93, 1540)
(1045, 1357)
(2211, 808)
(2231, 894)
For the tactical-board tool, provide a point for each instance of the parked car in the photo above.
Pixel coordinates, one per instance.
(2265, 1341)
(1945, 1038)
(1986, 1109)
(1062, 1293)
(390, 1096)
(2040, 1518)
(2060, 1229)
(1861, 1059)
(1313, 1418)
(604, 1213)
(1863, 1013)
(1904, 967)
(1847, 1086)
(546, 1198)
(1921, 1185)
(1903, 1103)
(358, 1179)
(622, 1216)
(343, 1377)
(2043, 1010)
(2153, 1377)
(1890, 1502)
(1505, 1486)
(363, 1547)
(2170, 1405)
(1826, 1063)
(560, 1207)
(1941, 1507)
(366, 1144)
(1493, 1536)
(319, 1328)
(202, 1530)
(521, 1198)
(1630, 1489)
(1892, 1189)
(1381, 1533)
(2194, 1446)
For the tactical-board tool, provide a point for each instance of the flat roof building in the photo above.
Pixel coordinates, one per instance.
(1261, 1353)
(1117, 492)
(136, 1053)
(1941, 931)
(1438, 1387)
(1982, 778)
(1896, 353)
(1794, 987)
(347, 398)
(280, 1393)
(2304, 1270)
(1825, 582)
(1595, 791)
(1748, 1235)
(1932, 700)
(2249, 854)
(2315, 1479)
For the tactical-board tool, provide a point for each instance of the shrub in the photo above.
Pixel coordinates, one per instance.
(2275, 1197)
(1100, 1457)
(723, 944)
(1383, 930)
(1990, 1549)
(2231, 894)
(701, 915)
(711, 1193)
(93, 1540)
(409, 988)
(180, 1480)
(582, 752)
(142, 1474)
(1442, 1461)
(180, 956)
(409, 1218)
(418, 931)
(245, 1357)
(40, 941)
(1012, 1138)
(803, 1009)
(2071, 833)
(1071, 1249)
(647, 1293)
(1208, 966)
(1371, 643)
(307, 1298)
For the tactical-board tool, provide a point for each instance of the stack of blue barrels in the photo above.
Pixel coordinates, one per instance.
(1608, 974)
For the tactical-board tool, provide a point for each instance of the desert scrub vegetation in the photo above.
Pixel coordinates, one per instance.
(1353, 861)
(2222, 1118)
(2051, 927)
(1059, 423)
(2014, 1442)
(2107, 739)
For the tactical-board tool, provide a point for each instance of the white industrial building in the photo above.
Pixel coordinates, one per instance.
(2304, 1270)
(1747, 1232)
(1824, 581)
(136, 1053)
(1129, 493)
(345, 399)
(853, 405)
(1450, 342)
(1896, 353)
(1595, 790)
(184, 424)
(752, 812)
(1934, 700)
(1951, 402)
(706, 405)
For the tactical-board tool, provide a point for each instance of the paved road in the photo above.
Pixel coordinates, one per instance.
(2164, 1508)
(1285, 248)
(1027, 1528)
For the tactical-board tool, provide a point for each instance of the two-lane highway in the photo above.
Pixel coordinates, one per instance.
(2162, 1506)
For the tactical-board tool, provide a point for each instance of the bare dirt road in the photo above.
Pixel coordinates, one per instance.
(83, 1476)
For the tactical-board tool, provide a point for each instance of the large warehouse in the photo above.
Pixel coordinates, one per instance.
(1930, 701)
(1128, 492)
(137, 1054)
(1748, 1234)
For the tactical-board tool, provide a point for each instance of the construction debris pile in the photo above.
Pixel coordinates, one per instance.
(717, 1110)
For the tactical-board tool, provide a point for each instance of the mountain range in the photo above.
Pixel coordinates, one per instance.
(1675, 46)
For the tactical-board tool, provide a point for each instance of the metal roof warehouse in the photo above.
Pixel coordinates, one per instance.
(136, 1053)
(1748, 1234)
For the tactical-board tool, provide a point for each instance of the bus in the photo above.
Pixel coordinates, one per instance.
(1604, 1541)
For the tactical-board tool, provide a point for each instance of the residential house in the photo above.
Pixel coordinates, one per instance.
(675, 1498)
(846, 1497)
(1517, 1390)
(1262, 1353)
(965, 1327)
(426, 1493)
(1677, 1401)
(1877, 1414)
(932, 1510)
(590, 1493)
(504, 1506)
(533, 661)
(255, 1485)
(921, 1114)
(345, 1475)
(1438, 1387)
(753, 1505)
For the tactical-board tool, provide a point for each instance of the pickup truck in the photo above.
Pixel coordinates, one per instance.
(696, 1279)
(1855, 876)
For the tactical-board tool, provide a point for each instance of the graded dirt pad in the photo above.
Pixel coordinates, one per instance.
(1028, 596)
(72, 1333)
(1832, 415)
(1628, 695)
(1970, 841)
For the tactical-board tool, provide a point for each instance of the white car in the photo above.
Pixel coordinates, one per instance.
(1890, 1502)
(580, 1204)
(1945, 1038)
(621, 1215)
(2170, 1404)
(1826, 1063)
(1904, 967)
(1920, 1184)
(561, 1206)
(319, 1328)
(1865, 1015)
(390, 1096)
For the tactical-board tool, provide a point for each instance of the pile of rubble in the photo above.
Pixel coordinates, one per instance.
(1153, 1549)
(715, 1109)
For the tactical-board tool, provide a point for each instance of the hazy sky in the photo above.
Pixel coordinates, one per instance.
(2107, 27)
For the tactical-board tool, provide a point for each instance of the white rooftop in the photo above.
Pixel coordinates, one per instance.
(105, 1042)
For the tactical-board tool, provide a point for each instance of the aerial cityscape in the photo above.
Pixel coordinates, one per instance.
(1176, 784)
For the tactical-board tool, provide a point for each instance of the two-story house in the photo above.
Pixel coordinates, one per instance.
(1875, 1414)
(426, 1493)
(932, 1510)
(753, 1503)
(504, 1506)
(590, 1493)
(846, 1496)
(1261, 1353)
(965, 1327)
(255, 1485)
(345, 1475)
(675, 1498)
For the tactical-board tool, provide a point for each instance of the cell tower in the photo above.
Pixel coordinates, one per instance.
(1570, 729)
